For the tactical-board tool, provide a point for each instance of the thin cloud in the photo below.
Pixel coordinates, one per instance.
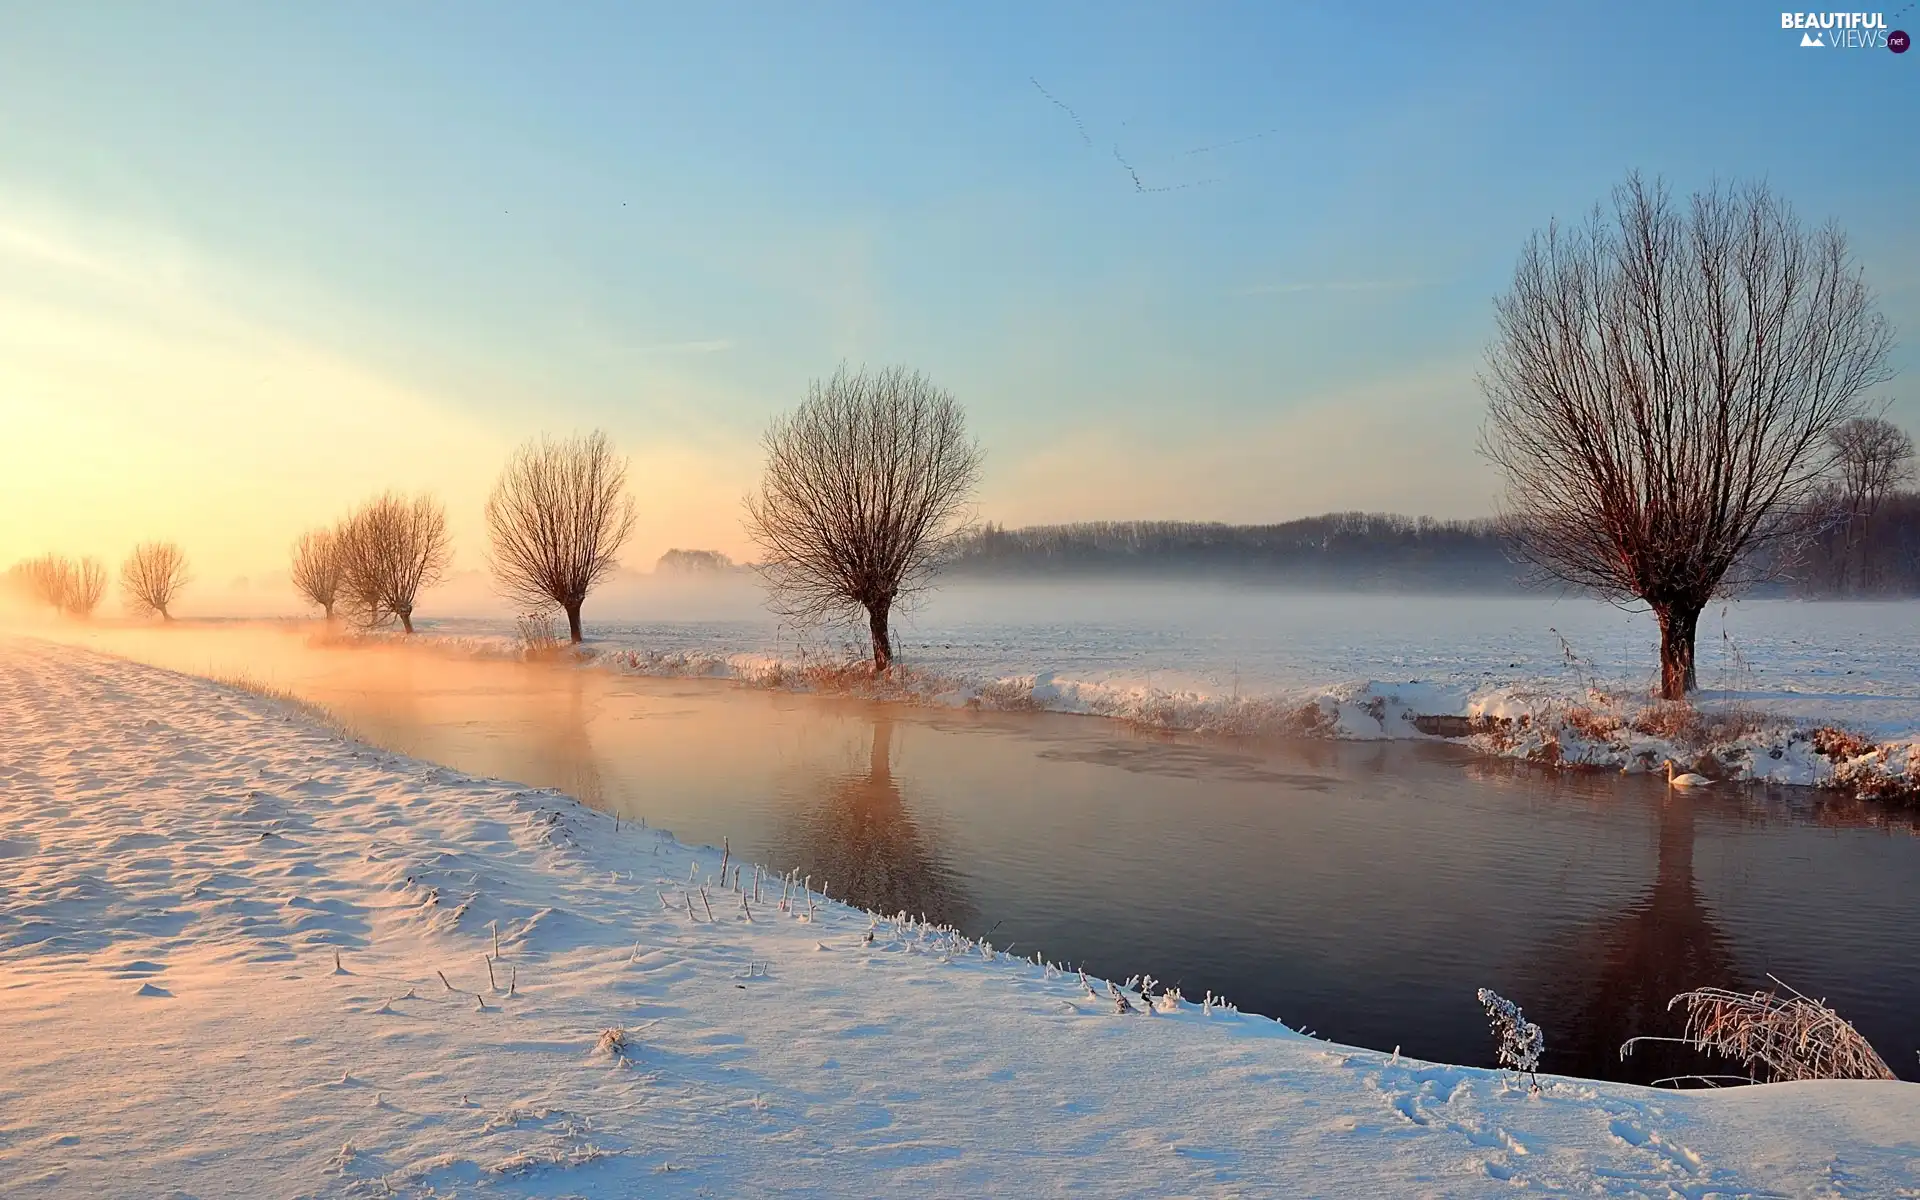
(709, 346)
(1337, 285)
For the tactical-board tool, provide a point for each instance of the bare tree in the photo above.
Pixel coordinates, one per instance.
(73, 587)
(316, 568)
(18, 582)
(556, 521)
(389, 549)
(152, 577)
(866, 485)
(86, 587)
(1661, 391)
(1874, 458)
(48, 579)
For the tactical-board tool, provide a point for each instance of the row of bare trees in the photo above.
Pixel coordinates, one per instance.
(71, 586)
(151, 578)
(371, 566)
(866, 487)
(1672, 394)
(555, 523)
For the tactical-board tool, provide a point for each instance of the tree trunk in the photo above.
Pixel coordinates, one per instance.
(1678, 626)
(406, 620)
(573, 621)
(882, 644)
(328, 610)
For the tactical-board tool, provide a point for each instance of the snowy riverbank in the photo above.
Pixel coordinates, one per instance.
(1824, 695)
(180, 864)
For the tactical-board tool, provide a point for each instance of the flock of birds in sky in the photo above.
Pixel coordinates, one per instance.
(1140, 185)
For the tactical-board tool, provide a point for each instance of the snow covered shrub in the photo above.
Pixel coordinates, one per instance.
(1521, 1042)
(1879, 775)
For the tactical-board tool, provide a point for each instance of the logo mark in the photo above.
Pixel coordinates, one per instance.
(1898, 41)
(1811, 39)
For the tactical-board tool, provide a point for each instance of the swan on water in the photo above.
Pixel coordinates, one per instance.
(1685, 781)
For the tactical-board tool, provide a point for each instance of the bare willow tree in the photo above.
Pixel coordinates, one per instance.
(152, 576)
(86, 587)
(1874, 458)
(316, 568)
(73, 587)
(866, 485)
(48, 579)
(556, 521)
(1661, 392)
(390, 548)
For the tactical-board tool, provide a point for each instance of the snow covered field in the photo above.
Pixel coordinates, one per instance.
(242, 957)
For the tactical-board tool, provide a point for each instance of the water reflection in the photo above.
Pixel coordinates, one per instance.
(1612, 979)
(561, 744)
(855, 830)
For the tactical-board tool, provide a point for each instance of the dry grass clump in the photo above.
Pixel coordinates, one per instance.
(1871, 779)
(1867, 770)
(539, 634)
(1594, 724)
(1311, 720)
(1257, 717)
(1008, 695)
(1840, 744)
(1696, 729)
(1783, 1038)
(241, 682)
(1500, 734)
(827, 676)
(611, 1044)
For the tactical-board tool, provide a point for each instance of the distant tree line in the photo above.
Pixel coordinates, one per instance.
(150, 580)
(1877, 560)
(1379, 551)
(1349, 550)
(1864, 533)
(693, 562)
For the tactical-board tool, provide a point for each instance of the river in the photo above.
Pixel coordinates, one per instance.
(1363, 891)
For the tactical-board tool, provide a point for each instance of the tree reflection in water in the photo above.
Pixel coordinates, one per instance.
(855, 832)
(1612, 980)
(561, 749)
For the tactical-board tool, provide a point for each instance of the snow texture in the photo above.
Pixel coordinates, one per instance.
(243, 957)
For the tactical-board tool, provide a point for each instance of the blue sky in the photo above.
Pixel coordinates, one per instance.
(442, 228)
